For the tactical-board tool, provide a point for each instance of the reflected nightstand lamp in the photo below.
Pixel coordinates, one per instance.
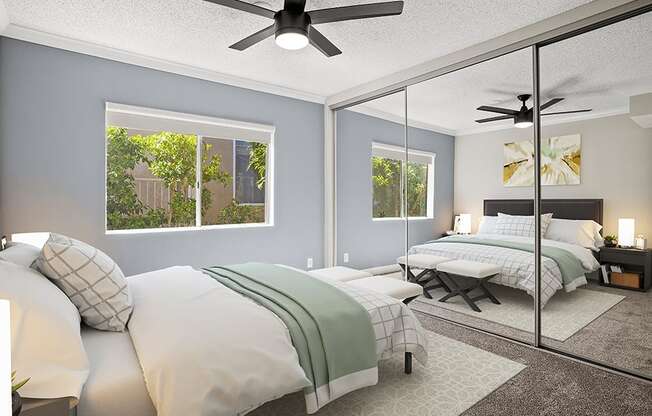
(464, 224)
(626, 229)
(5, 358)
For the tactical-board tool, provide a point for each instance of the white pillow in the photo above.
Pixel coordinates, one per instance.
(92, 281)
(520, 225)
(585, 233)
(487, 225)
(19, 253)
(46, 344)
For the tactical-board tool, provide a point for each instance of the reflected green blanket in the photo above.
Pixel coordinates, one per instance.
(570, 266)
(331, 332)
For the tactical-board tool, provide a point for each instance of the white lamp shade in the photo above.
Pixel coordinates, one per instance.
(5, 358)
(626, 231)
(464, 226)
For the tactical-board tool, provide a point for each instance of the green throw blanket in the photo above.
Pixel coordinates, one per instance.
(331, 332)
(570, 266)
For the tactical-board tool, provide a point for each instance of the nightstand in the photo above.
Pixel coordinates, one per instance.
(632, 260)
(46, 407)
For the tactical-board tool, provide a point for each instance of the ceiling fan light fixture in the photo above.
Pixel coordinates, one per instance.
(523, 124)
(292, 40)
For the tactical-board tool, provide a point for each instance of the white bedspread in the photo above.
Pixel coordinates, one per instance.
(206, 350)
(517, 265)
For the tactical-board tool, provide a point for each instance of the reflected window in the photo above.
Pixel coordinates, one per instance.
(390, 176)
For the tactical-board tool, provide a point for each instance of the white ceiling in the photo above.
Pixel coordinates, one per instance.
(197, 34)
(598, 70)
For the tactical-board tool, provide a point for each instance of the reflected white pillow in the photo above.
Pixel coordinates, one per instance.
(19, 253)
(520, 225)
(585, 233)
(487, 225)
(46, 343)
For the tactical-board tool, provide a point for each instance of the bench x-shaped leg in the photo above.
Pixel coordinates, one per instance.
(424, 278)
(463, 292)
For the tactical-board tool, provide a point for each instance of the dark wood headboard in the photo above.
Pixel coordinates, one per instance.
(569, 209)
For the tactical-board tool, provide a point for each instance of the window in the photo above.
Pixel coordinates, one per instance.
(168, 170)
(388, 181)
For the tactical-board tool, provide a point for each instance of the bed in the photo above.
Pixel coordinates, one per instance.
(515, 253)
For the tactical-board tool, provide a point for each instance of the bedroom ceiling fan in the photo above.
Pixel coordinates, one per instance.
(293, 25)
(523, 117)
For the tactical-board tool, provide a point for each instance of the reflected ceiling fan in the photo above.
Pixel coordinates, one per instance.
(523, 117)
(293, 26)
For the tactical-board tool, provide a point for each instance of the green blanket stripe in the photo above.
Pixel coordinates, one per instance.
(315, 310)
(570, 266)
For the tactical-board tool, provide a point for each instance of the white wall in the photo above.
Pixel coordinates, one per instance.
(616, 166)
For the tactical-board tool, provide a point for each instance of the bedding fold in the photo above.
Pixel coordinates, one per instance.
(336, 358)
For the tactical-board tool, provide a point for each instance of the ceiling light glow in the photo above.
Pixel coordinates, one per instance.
(292, 40)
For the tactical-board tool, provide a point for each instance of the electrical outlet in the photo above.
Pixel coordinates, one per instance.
(346, 257)
(309, 263)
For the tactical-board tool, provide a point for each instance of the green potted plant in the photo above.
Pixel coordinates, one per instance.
(16, 401)
(610, 241)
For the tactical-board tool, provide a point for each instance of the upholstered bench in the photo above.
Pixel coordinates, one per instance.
(427, 263)
(398, 289)
(340, 273)
(478, 273)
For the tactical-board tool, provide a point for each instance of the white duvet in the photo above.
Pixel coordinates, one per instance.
(206, 350)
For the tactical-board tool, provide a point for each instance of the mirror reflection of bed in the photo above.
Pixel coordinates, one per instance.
(579, 312)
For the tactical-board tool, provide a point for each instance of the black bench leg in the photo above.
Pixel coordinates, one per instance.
(415, 279)
(408, 363)
(462, 292)
(487, 293)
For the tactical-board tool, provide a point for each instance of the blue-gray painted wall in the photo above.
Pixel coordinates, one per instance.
(52, 157)
(374, 243)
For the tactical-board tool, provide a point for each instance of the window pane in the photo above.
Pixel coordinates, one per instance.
(386, 177)
(150, 179)
(233, 181)
(417, 192)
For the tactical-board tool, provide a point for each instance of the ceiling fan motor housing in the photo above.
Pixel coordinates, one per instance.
(292, 22)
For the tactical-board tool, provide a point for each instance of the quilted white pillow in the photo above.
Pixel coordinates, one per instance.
(19, 253)
(91, 279)
(585, 233)
(46, 344)
(487, 225)
(520, 225)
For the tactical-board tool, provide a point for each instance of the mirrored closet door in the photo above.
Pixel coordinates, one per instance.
(470, 183)
(596, 175)
(371, 212)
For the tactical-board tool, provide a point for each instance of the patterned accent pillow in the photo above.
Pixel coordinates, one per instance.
(521, 225)
(93, 282)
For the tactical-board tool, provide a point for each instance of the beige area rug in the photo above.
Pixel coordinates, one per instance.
(456, 377)
(564, 315)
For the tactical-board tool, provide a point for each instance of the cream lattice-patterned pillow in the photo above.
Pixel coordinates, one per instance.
(91, 279)
(520, 225)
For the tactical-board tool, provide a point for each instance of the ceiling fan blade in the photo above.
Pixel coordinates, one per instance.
(254, 39)
(245, 7)
(320, 42)
(567, 112)
(360, 11)
(498, 110)
(550, 103)
(295, 5)
(486, 120)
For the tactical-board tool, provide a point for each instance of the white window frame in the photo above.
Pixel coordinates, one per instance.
(143, 118)
(394, 152)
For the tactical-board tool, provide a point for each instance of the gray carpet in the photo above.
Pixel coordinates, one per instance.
(550, 385)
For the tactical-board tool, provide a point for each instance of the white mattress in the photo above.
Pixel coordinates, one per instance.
(115, 385)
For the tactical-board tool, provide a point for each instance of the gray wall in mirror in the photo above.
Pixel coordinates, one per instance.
(52, 152)
(373, 243)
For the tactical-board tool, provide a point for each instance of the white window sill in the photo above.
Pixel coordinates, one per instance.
(388, 219)
(187, 229)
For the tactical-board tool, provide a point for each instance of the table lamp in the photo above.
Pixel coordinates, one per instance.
(626, 232)
(5, 358)
(464, 225)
